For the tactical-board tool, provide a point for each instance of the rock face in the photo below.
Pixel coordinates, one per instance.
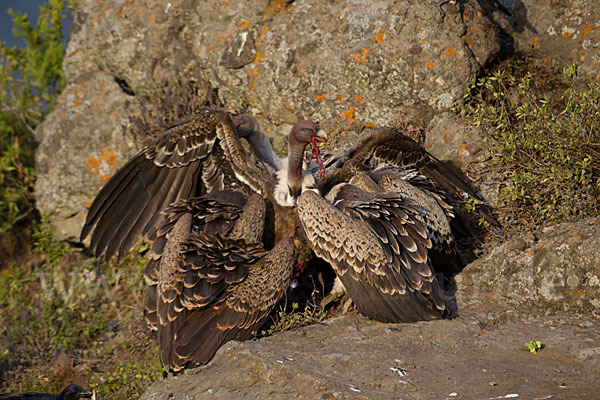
(556, 269)
(81, 144)
(556, 33)
(377, 63)
(504, 300)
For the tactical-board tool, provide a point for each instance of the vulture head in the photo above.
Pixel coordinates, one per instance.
(292, 180)
(247, 127)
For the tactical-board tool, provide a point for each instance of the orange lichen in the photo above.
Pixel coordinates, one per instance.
(581, 54)
(88, 204)
(429, 65)
(263, 32)
(244, 24)
(287, 106)
(92, 163)
(339, 98)
(362, 56)
(152, 19)
(321, 96)
(580, 293)
(349, 114)
(258, 58)
(275, 7)
(565, 34)
(370, 125)
(226, 4)
(225, 37)
(76, 103)
(449, 52)
(73, 53)
(252, 75)
(109, 156)
(379, 38)
(359, 99)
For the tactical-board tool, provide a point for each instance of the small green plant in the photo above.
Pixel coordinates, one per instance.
(129, 379)
(46, 243)
(533, 346)
(545, 144)
(294, 316)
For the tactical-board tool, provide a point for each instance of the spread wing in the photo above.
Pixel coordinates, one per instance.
(215, 213)
(389, 145)
(229, 288)
(209, 278)
(378, 246)
(195, 156)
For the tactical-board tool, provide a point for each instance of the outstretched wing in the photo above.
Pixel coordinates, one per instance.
(390, 146)
(229, 288)
(195, 156)
(378, 247)
(215, 213)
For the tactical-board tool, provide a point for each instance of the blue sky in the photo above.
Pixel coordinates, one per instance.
(30, 7)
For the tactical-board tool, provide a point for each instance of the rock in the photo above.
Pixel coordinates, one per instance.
(450, 137)
(553, 270)
(355, 358)
(553, 33)
(377, 63)
(81, 144)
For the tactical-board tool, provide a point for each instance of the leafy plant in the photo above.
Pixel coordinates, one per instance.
(533, 346)
(30, 80)
(545, 148)
(46, 243)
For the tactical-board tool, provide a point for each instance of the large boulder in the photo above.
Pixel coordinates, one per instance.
(376, 63)
(81, 144)
(554, 33)
(555, 269)
(355, 358)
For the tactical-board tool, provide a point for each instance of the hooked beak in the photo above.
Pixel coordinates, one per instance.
(321, 136)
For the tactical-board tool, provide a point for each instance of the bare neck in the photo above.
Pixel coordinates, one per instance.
(295, 159)
(263, 150)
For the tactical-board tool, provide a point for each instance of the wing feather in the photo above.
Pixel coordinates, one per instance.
(199, 154)
(371, 241)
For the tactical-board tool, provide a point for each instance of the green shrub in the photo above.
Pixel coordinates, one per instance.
(30, 80)
(544, 135)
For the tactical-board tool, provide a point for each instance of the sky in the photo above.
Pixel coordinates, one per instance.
(30, 7)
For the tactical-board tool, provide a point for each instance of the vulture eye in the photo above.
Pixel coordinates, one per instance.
(306, 132)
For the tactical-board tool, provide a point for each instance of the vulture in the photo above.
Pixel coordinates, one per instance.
(203, 201)
(209, 278)
(381, 215)
(71, 392)
(384, 222)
